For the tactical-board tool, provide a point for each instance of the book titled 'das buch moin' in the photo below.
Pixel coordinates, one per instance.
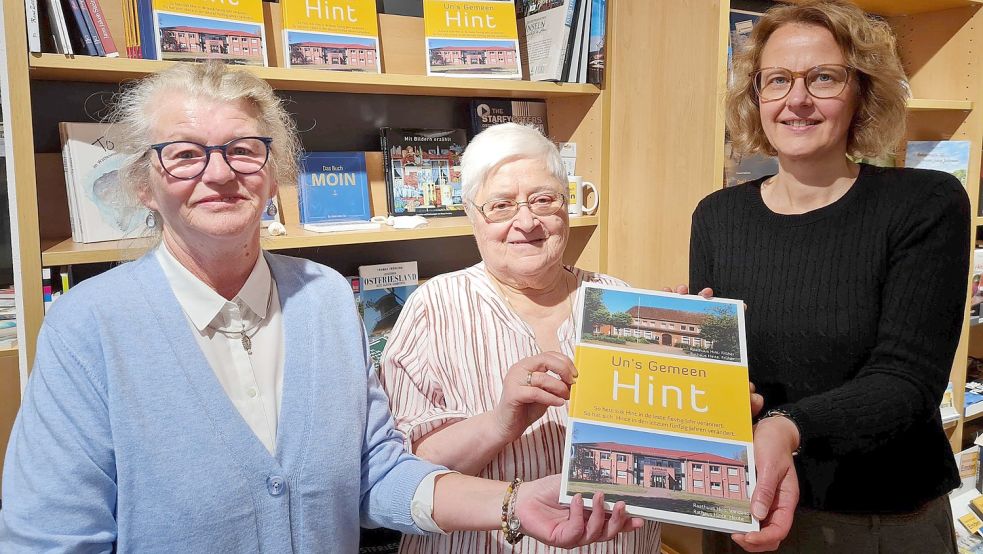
(660, 416)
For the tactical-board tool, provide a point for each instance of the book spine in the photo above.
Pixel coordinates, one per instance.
(131, 30)
(66, 160)
(83, 36)
(575, 34)
(59, 27)
(387, 165)
(33, 25)
(148, 31)
(595, 71)
(101, 29)
(569, 26)
(90, 26)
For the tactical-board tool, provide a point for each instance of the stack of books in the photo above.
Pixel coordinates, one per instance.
(8, 318)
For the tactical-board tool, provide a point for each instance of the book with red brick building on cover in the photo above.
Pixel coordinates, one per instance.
(660, 415)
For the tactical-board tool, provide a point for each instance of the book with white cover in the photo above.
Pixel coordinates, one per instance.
(544, 29)
(99, 209)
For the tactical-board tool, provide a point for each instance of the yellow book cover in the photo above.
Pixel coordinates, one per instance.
(971, 522)
(660, 415)
(193, 30)
(471, 38)
(336, 35)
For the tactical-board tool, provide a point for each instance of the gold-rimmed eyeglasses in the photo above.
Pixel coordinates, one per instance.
(822, 81)
(503, 209)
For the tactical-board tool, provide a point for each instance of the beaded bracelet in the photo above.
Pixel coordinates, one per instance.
(510, 521)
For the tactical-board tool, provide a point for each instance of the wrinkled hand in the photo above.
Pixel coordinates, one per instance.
(528, 390)
(552, 523)
(684, 289)
(776, 492)
(757, 401)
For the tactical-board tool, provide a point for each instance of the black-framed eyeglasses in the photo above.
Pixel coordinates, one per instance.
(183, 159)
(540, 203)
(822, 81)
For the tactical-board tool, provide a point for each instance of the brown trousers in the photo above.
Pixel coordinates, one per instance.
(928, 530)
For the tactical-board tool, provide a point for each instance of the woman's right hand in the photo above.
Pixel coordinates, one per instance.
(528, 390)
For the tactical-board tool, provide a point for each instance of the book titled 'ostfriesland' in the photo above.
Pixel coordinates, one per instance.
(660, 416)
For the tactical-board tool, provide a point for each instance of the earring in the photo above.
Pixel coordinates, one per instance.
(151, 220)
(271, 209)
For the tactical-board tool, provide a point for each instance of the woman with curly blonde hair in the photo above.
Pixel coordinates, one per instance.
(855, 282)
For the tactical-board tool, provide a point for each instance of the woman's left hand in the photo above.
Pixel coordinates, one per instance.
(776, 492)
(549, 522)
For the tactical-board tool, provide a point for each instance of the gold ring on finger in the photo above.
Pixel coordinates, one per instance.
(529, 379)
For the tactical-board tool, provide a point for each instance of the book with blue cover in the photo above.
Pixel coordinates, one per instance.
(333, 187)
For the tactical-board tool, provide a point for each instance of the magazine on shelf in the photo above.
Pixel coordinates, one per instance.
(423, 170)
(333, 190)
(486, 112)
(471, 38)
(544, 34)
(951, 156)
(336, 37)
(194, 30)
(660, 416)
(383, 290)
(99, 210)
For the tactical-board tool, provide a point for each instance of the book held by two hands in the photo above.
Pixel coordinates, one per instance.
(660, 415)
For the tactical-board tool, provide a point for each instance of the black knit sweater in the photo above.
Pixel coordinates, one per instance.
(853, 315)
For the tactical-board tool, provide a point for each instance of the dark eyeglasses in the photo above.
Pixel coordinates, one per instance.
(501, 209)
(184, 159)
(822, 81)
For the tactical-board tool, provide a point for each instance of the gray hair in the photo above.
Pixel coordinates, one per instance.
(135, 109)
(504, 143)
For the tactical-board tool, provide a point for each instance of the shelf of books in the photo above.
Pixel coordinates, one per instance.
(908, 7)
(68, 252)
(58, 67)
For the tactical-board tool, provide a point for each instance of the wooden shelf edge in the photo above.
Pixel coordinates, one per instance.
(59, 67)
(929, 104)
(978, 220)
(891, 8)
(967, 419)
(8, 351)
(67, 252)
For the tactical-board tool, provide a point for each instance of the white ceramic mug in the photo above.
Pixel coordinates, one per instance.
(577, 190)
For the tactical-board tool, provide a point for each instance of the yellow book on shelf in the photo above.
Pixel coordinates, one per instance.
(331, 34)
(192, 30)
(971, 522)
(471, 38)
(660, 415)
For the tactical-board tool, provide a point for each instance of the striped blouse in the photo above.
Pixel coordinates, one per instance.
(455, 340)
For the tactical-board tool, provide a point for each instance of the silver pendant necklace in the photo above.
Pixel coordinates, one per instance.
(246, 334)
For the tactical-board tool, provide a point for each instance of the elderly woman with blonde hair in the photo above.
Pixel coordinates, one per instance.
(478, 366)
(212, 397)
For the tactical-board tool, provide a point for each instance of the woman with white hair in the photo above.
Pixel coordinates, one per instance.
(212, 397)
(478, 366)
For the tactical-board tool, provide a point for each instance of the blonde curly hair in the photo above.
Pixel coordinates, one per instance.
(868, 46)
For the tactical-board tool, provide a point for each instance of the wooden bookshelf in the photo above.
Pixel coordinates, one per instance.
(67, 252)
(59, 67)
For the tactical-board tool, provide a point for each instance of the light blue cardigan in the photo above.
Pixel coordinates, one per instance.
(126, 436)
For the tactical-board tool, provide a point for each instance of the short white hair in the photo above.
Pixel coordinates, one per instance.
(502, 143)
